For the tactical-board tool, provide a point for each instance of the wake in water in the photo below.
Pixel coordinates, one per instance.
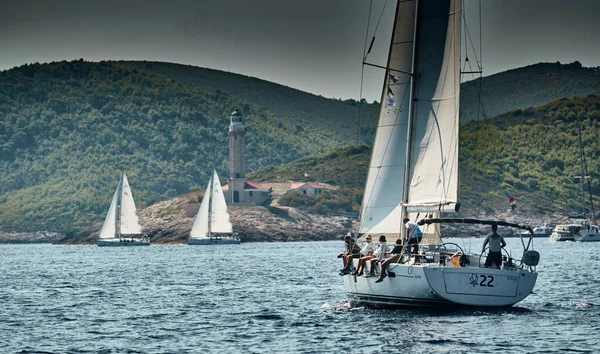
(345, 305)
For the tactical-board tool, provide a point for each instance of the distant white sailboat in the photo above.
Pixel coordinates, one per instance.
(212, 225)
(121, 226)
(580, 228)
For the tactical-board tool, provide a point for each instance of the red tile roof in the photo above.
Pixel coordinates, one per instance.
(253, 185)
(248, 185)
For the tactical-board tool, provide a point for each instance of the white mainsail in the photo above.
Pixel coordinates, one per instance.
(130, 224)
(415, 154)
(200, 228)
(219, 216)
(434, 149)
(109, 228)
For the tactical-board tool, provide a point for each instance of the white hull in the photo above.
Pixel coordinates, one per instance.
(582, 232)
(589, 237)
(122, 243)
(213, 241)
(434, 286)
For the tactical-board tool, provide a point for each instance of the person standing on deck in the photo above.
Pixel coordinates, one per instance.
(496, 242)
(412, 234)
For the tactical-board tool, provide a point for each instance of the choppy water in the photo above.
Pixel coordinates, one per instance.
(264, 298)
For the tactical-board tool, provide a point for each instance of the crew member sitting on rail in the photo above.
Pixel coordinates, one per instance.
(352, 251)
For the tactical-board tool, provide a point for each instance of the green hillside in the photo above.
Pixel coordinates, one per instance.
(299, 108)
(67, 129)
(530, 86)
(531, 155)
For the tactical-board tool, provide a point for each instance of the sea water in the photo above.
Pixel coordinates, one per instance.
(267, 298)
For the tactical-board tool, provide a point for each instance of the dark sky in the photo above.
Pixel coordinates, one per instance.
(311, 45)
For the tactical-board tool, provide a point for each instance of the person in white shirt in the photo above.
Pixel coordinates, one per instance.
(377, 256)
(366, 253)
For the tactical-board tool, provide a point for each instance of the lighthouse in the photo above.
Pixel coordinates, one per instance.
(238, 189)
(237, 158)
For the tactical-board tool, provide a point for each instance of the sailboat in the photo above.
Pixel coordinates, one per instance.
(122, 226)
(212, 225)
(580, 228)
(413, 173)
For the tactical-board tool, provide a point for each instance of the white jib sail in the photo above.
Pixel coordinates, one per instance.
(200, 227)
(130, 224)
(219, 217)
(109, 228)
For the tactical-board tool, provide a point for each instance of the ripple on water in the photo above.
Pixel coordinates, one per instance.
(187, 299)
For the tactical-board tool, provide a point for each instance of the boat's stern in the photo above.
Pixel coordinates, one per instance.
(481, 286)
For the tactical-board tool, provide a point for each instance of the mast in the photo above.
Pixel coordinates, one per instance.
(583, 177)
(210, 207)
(411, 120)
(582, 172)
(118, 217)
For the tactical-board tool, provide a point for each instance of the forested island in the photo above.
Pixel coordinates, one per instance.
(67, 130)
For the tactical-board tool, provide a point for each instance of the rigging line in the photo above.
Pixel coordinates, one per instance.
(367, 30)
(480, 105)
(480, 40)
(468, 36)
(362, 77)
(586, 173)
(360, 96)
(375, 30)
(478, 88)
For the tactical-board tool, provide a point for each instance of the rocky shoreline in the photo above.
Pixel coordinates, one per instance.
(169, 222)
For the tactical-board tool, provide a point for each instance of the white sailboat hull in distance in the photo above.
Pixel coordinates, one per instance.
(123, 242)
(214, 241)
(439, 286)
